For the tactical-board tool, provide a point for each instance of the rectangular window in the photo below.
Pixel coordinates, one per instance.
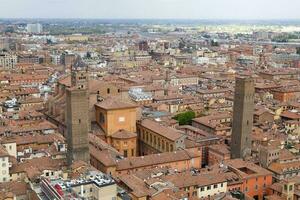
(125, 153)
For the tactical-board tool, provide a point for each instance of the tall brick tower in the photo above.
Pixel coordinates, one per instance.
(77, 114)
(242, 117)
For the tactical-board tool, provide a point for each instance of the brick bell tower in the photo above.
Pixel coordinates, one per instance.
(242, 117)
(77, 113)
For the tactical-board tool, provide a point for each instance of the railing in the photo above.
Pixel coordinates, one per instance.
(49, 191)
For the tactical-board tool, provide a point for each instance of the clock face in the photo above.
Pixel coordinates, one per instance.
(121, 119)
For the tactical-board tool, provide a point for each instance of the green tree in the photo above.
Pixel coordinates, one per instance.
(185, 118)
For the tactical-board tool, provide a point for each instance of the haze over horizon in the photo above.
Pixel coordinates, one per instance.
(152, 9)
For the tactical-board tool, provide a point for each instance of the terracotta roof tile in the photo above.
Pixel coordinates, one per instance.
(113, 103)
(123, 134)
(167, 132)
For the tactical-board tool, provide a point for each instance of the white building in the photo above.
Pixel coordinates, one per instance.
(8, 61)
(56, 59)
(4, 165)
(34, 28)
(91, 185)
(212, 189)
(11, 148)
(200, 60)
(138, 94)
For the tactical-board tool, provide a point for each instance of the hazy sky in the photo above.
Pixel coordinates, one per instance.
(185, 9)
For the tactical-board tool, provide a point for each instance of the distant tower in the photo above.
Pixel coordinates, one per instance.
(77, 114)
(167, 82)
(242, 117)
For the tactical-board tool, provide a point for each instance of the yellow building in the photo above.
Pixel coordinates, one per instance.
(124, 142)
(112, 115)
(118, 121)
(156, 138)
(77, 37)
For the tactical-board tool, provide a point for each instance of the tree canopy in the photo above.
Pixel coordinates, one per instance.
(185, 118)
